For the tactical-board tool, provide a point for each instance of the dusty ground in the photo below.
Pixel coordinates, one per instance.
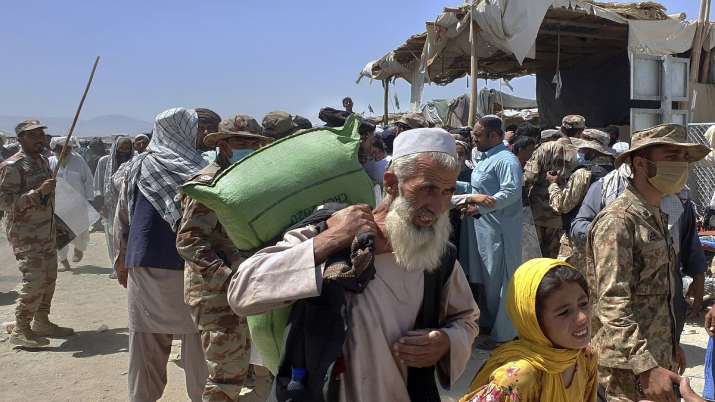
(92, 365)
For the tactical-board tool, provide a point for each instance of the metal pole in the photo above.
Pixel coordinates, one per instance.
(386, 118)
(473, 29)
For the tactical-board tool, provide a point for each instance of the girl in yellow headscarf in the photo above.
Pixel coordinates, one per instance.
(548, 304)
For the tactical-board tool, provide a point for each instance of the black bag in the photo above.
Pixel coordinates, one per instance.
(318, 327)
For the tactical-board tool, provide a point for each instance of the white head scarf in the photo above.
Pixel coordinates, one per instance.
(169, 161)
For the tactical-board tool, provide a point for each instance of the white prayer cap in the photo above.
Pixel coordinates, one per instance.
(620, 147)
(422, 140)
(60, 141)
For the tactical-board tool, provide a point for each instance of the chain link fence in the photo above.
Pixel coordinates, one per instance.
(702, 175)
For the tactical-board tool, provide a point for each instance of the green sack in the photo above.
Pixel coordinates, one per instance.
(274, 188)
(280, 185)
(267, 334)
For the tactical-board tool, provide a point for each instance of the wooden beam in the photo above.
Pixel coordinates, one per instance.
(577, 24)
(582, 35)
(454, 10)
(703, 10)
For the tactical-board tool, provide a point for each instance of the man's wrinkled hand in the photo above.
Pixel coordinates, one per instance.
(342, 229)
(47, 187)
(345, 224)
(422, 348)
(681, 359)
(687, 392)
(470, 210)
(483, 200)
(122, 271)
(657, 384)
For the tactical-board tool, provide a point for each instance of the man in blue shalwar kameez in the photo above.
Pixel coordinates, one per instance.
(496, 205)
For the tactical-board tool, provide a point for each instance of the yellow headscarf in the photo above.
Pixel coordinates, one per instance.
(532, 345)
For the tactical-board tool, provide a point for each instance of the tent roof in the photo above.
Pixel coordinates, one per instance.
(586, 29)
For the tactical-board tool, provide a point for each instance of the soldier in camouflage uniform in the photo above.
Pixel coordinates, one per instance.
(211, 260)
(632, 271)
(595, 160)
(27, 196)
(558, 157)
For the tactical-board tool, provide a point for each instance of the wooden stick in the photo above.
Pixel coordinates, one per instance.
(473, 68)
(63, 155)
(386, 118)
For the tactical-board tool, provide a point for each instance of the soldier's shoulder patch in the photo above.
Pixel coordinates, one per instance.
(652, 236)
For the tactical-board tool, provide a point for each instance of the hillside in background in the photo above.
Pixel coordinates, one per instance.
(96, 127)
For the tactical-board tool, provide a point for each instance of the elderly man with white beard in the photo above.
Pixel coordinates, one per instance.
(383, 346)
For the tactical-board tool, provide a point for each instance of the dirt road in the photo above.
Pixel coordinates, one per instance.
(92, 365)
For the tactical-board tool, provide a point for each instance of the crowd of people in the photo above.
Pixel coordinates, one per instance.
(564, 249)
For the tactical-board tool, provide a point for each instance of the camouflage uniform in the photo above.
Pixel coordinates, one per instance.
(565, 200)
(30, 231)
(211, 259)
(631, 273)
(557, 156)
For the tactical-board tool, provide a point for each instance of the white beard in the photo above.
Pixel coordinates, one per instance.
(416, 249)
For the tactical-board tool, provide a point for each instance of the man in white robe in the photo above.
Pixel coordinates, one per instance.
(76, 172)
(411, 228)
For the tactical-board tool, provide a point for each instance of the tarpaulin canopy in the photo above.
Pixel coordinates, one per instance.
(519, 37)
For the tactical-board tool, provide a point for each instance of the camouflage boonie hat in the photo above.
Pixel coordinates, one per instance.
(573, 121)
(413, 120)
(28, 125)
(664, 134)
(596, 140)
(236, 126)
(279, 124)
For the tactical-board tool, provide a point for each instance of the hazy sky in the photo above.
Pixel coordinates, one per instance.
(235, 56)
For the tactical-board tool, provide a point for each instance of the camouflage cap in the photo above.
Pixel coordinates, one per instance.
(413, 120)
(236, 126)
(596, 140)
(573, 121)
(28, 125)
(664, 134)
(279, 124)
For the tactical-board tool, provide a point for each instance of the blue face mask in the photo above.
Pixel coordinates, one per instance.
(239, 154)
(581, 159)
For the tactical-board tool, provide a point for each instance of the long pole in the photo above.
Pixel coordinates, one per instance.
(386, 118)
(473, 28)
(705, 73)
(698, 43)
(63, 155)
